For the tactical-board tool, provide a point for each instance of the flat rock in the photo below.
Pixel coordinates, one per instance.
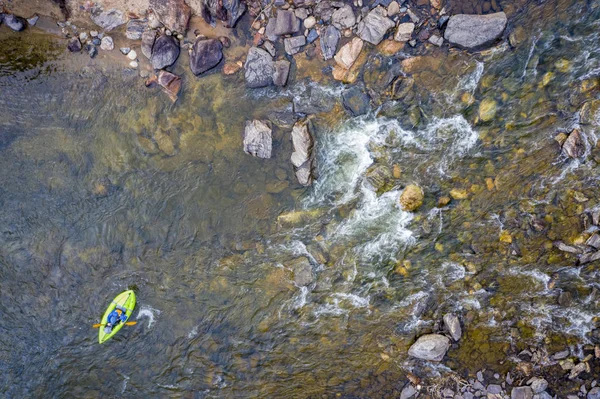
(108, 20)
(302, 158)
(170, 83)
(286, 23)
(374, 26)
(330, 38)
(453, 326)
(430, 347)
(164, 52)
(349, 53)
(258, 140)
(343, 18)
(174, 14)
(356, 101)
(404, 32)
(259, 68)
(473, 31)
(135, 29)
(294, 44)
(205, 55)
(148, 39)
(282, 70)
(408, 391)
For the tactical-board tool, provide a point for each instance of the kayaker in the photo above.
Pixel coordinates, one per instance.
(116, 316)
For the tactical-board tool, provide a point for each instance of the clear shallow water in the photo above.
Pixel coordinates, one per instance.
(106, 186)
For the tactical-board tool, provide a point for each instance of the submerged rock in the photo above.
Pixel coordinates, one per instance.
(15, 23)
(164, 52)
(349, 52)
(302, 158)
(135, 29)
(205, 55)
(74, 45)
(282, 70)
(148, 39)
(574, 147)
(259, 68)
(430, 347)
(487, 109)
(302, 269)
(356, 101)
(473, 31)
(453, 326)
(258, 139)
(411, 198)
(33, 20)
(174, 14)
(374, 26)
(330, 38)
(170, 83)
(108, 20)
(300, 218)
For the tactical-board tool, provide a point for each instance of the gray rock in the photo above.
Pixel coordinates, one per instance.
(148, 39)
(453, 326)
(259, 68)
(174, 14)
(74, 45)
(521, 393)
(448, 393)
(574, 146)
(302, 269)
(404, 32)
(480, 377)
(33, 20)
(538, 384)
(258, 139)
(294, 44)
(270, 30)
(235, 9)
(135, 29)
(329, 41)
(473, 31)
(594, 393)
(108, 20)
(286, 23)
(436, 40)
(302, 156)
(312, 35)
(542, 395)
(205, 55)
(494, 389)
(282, 70)
(107, 43)
(374, 26)
(15, 23)
(430, 347)
(343, 18)
(408, 391)
(270, 48)
(468, 395)
(125, 50)
(593, 241)
(477, 385)
(164, 52)
(356, 101)
(313, 101)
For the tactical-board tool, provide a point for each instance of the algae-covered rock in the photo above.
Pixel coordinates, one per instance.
(573, 146)
(411, 198)
(589, 112)
(302, 269)
(487, 109)
(380, 178)
(300, 218)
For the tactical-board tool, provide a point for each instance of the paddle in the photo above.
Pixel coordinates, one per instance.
(129, 323)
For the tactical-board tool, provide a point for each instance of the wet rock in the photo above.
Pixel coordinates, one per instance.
(15, 23)
(286, 23)
(538, 384)
(356, 101)
(303, 274)
(408, 391)
(164, 142)
(74, 45)
(453, 326)
(487, 109)
(578, 369)
(259, 68)
(170, 83)
(493, 389)
(594, 393)
(374, 26)
(436, 40)
(300, 218)
(33, 20)
(302, 157)
(404, 32)
(164, 52)
(594, 241)
(258, 139)
(174, 14)
(107, 43)
(567, 248)
(329, 41)
(91, 50)
(148, 39)
(349, 53)
(312, 36)
(125, 50)
(574, 147)
(565, 298)
(235, 9)
(411, 198)
(379, 177)
(310, 22)
(313, 101)
(589, 112)
(343, 18)
(205, 55)
(135, 29)
(294, 44)
(473, 31)
(108, 20)
(282, 70)
(231, 68)
(430, 347)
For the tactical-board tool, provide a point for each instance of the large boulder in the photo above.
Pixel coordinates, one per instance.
(343, 18)
(430, 347)
(258, 139)
(108, 20)
(374, 26)
(330, 38)
(205, 55)
(286, 23)
(15, 23)
(473, 31)
(174, 14)
(302, 156)
(164, 52)
(259, 68)
(356, 101)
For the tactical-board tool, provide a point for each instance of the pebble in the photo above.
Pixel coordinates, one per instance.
(83, 36)
(132, 55)
(133, 64)
(93, 33)
(561, 355)
(125, 50)
(480, 376)
(96, 41)
(107, 43)
(310, 22)
(33, 20)
(494, 389)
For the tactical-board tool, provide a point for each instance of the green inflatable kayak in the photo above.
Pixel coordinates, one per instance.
(126, 300)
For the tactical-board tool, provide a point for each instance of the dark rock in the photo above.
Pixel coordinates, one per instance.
(15, 23)
(313, 101)
(170, 83)
(108, 20)
(303, 274)
(329, 42)
(574, 146)
(356, 101)
(225, 41)
(430, 347)
(259, 68)
(148, 39)
(343, 18)
(282, 70)
(453, 326)
(74, 45)
(473, 31)
(565, 298)
(374, 26)
(286, 23)
(235, 9)
(258, 139)
(135, 29)
(91, 50)
(174, 14)
(294, 44)
(283, 116)
(96, 41)
(442, 21)
(312, 35)
(205, 55)
(302, 156)
(164, 52)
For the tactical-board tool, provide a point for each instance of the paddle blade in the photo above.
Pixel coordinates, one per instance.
(96, 325)
(131, 323)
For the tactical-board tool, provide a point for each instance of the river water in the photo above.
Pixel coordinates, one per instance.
(106, 186)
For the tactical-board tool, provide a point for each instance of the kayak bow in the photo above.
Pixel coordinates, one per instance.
(125, 300)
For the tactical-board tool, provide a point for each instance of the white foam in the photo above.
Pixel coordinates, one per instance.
(149, 312)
